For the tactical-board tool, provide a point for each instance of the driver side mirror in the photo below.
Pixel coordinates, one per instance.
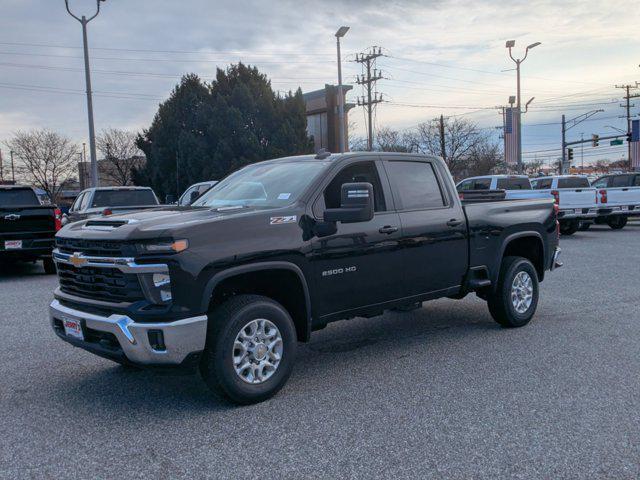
(356, 204)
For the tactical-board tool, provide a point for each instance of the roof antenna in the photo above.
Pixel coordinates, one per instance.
(322, 154)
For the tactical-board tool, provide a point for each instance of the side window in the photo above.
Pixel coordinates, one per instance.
(85, 201)
(76, 205)
(186, 196)
(482, 184)
(415, 185)
(636, 183)
(601, 182)
(621, 181)
(359, 172)
(466, 185)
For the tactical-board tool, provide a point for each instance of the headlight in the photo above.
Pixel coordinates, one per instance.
(175, 246)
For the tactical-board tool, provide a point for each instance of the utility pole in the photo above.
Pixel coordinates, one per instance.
(564, 144)
(627, 106)
(368, 80)
(443, 151)
(582, 151)
(1, 167)
(510, 44)
(342, 31)
(87, 74)
(13, 171)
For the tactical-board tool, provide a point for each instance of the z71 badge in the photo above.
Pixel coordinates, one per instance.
(281, 220)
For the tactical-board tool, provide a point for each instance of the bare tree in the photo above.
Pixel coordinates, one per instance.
(46, 159)
(389, 140)
(121, 153)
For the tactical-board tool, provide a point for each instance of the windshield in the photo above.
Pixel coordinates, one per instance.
(263, 185)
(123, 198)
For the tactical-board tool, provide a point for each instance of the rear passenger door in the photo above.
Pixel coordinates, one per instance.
(434, 231)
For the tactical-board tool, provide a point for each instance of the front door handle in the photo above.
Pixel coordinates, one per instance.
(388, 229)
(454, 222)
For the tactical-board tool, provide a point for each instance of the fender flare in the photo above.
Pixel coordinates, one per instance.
(256, 267)
(514, 236)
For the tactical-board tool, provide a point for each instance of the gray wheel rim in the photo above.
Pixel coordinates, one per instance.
(257, 351)
(522, 292)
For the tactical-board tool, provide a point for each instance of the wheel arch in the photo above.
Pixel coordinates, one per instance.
(282, 281)
(528, 244)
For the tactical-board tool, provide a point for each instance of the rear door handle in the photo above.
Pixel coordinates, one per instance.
(454, 222)
(388, 229)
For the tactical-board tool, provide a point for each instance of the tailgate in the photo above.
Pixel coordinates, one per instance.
(623, 196)
(577, 198)
(17, 220)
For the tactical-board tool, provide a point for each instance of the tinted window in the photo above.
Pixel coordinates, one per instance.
(360, 172)
(573, 182)
(84, 204)
(513, 183)
(415, 185)
(601, 182)
(185, 199)
(466, 185)
(482, 184)
(542, 184)
(18, 196)
(123, 198)
(621, 181)
(637, 182)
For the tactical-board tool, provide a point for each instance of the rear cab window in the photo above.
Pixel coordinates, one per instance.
(514, 183)
(123, 198)
(415, 185)
(573, 182)
(15, 197)
(542, 183)
(482, 184)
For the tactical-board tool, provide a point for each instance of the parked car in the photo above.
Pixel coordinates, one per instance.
(618, 198)
(27, 227)
(575, 197)
(194, 192)
(94, 202)
(515, 186)
(284, 247)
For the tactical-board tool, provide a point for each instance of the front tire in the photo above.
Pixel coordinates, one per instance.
(515, 299)
(617, 222)
(49, 266)
(250, 349)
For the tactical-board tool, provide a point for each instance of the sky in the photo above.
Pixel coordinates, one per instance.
(441, 57)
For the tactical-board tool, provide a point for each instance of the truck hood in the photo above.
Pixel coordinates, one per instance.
(156, 223)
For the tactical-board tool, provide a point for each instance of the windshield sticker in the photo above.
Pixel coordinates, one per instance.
(284, 196)
(281, 220)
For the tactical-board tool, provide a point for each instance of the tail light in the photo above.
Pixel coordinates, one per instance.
(603, 196)
(556, 210)
(107, 211)
(57, 213)
(556, 196)
(461, 195)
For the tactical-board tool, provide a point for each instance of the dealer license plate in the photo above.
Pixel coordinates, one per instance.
(73, 328)
(12, 244)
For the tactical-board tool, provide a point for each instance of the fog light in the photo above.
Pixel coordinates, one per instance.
(156, 340)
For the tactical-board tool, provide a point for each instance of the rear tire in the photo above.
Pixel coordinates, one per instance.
(569, 227)
(250, 349)
(49, 266)
(515, 299)
(584, 226)
(618, 222)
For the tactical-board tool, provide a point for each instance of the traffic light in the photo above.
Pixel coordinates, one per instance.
(570, 154)
(594, 140)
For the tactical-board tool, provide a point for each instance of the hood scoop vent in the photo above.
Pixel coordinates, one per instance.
(106, 225)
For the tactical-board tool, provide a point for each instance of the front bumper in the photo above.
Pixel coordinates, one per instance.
(555, 260)
(183, 339)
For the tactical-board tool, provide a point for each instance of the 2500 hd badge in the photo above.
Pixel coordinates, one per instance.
(339, 271)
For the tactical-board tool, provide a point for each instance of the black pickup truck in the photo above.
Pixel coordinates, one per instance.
(280, 248)
(27, 227)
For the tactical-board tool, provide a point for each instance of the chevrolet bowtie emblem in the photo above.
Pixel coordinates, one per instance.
(77, 260)
(12, 216)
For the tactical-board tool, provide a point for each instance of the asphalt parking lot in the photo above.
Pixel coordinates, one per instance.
(441, 392)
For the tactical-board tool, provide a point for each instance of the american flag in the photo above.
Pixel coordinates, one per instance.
(511, 136)
(635, 144)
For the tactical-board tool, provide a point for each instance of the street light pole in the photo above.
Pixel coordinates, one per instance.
(342, 31)
(87, 73)
(510, 44)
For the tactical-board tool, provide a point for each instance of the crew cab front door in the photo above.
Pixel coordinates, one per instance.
(360, 264)
(434, 232)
